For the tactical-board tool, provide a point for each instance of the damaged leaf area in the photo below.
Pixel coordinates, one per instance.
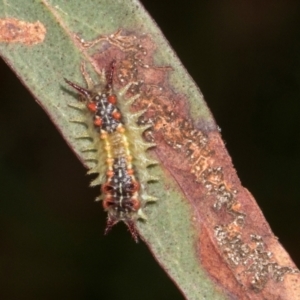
(234, 242)
(16, 31)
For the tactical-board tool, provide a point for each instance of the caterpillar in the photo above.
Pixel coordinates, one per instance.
(118, 147)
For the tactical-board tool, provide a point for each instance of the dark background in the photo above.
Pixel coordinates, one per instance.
(245, 56)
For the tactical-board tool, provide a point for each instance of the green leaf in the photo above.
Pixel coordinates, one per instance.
(196, 177)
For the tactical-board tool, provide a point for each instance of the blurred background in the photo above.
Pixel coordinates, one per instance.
(245, 57)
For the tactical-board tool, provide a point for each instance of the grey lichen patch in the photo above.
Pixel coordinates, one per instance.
(17, 31)
(253, 257)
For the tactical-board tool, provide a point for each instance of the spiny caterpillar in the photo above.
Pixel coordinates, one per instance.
(118, 148)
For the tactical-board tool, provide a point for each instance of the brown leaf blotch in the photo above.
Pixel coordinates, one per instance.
(236, 245)
(16, 31)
